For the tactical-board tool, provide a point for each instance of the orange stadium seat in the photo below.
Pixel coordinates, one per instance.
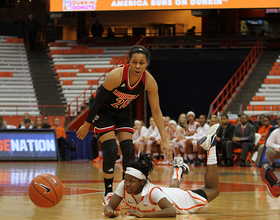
(259, 98)
(277, 64)
(100, 70)
(55, 51)
(275, 68)
(83, 70)
(116, 60)
(269, 81)
(277, 81)
(80, 47)
(253, 107)
(6, 74)
(58, 44)
(69, 66)
(67, 82)
(274, 73)
(275, 107)
(79, 66)
(10, 40)
(18, 40)
(95, 51)
(264, 107)
(92, 82)
(66, 74)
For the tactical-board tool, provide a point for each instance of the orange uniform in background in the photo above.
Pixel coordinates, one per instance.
(60, 132)
(263, 131)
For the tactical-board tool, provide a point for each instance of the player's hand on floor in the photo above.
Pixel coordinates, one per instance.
(111, 214)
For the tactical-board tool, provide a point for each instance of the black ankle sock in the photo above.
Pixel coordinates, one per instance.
(108, 185)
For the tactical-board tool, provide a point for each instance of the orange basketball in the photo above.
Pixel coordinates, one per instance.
(45, 190)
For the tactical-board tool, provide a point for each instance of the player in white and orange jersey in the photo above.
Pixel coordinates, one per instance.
(147, 200)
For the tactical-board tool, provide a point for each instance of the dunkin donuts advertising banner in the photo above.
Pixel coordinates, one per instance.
(115, 5)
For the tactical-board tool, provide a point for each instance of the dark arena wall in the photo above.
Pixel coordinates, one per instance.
(189, 80)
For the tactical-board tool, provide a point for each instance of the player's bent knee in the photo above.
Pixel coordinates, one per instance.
(127, 148)
(110, 155)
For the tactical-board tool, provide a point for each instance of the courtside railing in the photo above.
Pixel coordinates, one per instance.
(80, 108)
(239, 76)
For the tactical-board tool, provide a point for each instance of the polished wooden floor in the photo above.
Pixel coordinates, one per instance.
(243, 195)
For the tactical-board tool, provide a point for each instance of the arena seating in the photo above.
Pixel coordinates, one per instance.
(16, 83)
(267, 99)
(77, 66)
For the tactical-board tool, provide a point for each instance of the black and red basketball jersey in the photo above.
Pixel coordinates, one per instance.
(121, 97)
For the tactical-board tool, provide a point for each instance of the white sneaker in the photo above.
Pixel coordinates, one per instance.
(207, 141)
(179, 162)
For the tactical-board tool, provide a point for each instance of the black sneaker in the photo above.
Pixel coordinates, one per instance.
(199, 163)
(271, 181)
(179, 162)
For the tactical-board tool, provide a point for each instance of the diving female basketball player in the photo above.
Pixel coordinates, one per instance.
(147, 200)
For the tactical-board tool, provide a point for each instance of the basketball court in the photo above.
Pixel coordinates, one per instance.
(243, 195)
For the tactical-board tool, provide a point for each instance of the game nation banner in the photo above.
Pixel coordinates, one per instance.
(115, 5)
(28, 144)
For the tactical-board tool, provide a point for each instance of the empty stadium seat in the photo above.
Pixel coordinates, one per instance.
(267, 98)
(17, 94)
(77, 66)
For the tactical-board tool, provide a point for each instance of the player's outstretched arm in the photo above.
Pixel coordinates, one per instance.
(167, 210)
(109, 210)
(152, 91)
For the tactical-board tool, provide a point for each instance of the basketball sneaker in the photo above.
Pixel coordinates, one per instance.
(179, 162)
(271, 181)
(107, 198)
(207, 141)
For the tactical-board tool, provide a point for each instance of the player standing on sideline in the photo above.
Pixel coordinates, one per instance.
(150, 201)
(111, 112)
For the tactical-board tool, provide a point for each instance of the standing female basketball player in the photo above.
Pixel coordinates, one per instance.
(147, 200)
(110, 110)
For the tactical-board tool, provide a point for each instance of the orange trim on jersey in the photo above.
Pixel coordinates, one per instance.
(190, 207)
(125, 76)
(123, 191)
(177, 176)
(205, 201)
(150, 193)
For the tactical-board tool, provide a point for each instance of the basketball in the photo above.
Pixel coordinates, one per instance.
(45, 191)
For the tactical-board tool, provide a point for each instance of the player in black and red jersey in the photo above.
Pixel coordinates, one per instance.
(111, 112)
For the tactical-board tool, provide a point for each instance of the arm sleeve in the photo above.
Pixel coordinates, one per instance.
(101, 95)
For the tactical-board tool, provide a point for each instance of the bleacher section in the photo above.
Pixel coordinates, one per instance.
(77, 66)
(15, 79)
(267, 99)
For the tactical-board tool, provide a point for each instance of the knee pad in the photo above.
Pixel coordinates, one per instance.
(128, 152)
(110, 155)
